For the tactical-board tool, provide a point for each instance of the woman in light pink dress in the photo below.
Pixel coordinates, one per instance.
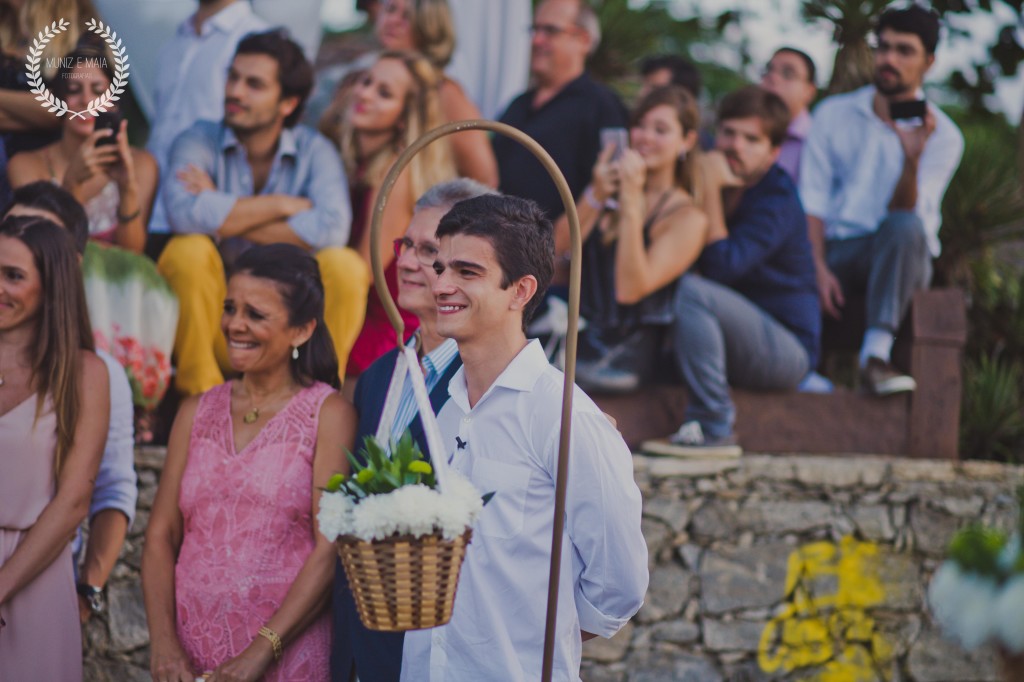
(235, 574)
(54, 409)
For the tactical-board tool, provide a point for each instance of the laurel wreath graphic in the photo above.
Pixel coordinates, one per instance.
(56, 105)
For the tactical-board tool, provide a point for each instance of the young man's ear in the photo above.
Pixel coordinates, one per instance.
(523, 291)
(287, 105)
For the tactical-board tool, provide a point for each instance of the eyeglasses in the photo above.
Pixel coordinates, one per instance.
(425, 252)
(787, 73)
(549, 30)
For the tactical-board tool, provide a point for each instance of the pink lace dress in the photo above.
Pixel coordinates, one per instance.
(248, 529)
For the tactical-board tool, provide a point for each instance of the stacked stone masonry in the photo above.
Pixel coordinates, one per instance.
(762, 568)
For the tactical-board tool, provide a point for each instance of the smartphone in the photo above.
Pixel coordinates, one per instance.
(109, 120)
(616, 136)
(910, 113)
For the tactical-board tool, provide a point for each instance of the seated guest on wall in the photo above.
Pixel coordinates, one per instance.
(872, 183)
(54, 409)
(790, 74)
(564, 110)
(642, 231)
(112, 506)
(132, 309)
(391, 105)
(751, 318)
(669, 69)
(255, 178)
(235, 573)
(24, 123)
(501, 424)
(426, 26)
(377, 656)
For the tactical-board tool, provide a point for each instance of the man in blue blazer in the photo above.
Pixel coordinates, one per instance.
(377, 656)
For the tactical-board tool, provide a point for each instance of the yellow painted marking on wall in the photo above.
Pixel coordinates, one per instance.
(824, 623)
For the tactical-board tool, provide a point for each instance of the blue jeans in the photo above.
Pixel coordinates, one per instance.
(720, 339)
(888, 265)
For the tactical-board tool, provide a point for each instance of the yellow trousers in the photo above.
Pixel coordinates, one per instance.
(193, 267)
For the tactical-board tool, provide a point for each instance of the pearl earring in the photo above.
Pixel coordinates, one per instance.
(295, 352)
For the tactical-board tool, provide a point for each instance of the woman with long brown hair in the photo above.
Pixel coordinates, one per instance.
(391, 104)
(642, 229)
(54, 408)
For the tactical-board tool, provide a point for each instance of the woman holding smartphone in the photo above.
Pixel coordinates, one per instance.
(133, 311)
(642, 230)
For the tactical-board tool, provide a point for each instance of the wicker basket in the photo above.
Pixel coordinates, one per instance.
(403, 582)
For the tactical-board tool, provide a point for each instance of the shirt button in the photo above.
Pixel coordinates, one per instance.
(466, 420)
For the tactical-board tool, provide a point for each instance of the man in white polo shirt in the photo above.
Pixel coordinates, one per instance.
(872, 184)
(501, 428)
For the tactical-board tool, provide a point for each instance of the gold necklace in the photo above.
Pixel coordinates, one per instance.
(252, 415)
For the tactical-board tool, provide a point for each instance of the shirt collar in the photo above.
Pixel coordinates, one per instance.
(865, 99)
(437, 360)
(800, 125)
(223, 21)
(287, 145)
(520, 375)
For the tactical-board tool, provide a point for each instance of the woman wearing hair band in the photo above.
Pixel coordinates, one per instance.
(235, 574)
(54, 407)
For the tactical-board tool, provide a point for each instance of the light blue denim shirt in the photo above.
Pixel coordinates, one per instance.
(305, 165)
(116, 481)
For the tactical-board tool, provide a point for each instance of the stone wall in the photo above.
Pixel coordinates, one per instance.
(763, 568)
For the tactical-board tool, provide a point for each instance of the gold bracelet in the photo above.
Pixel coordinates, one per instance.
(275, 641)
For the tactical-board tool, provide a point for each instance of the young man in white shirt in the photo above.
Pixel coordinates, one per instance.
(872, 189)
(502, 427)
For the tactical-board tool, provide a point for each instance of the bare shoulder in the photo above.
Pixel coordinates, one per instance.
(27, 167)
(455, 102)
(92, 367)
(680, 212)
(337, 409)
(143, 159)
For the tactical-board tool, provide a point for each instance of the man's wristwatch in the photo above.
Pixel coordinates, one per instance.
(93, 596)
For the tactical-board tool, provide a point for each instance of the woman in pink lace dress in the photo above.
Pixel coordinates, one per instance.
(235, 574)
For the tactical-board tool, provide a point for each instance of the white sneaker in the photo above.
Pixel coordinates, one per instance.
(689, 441)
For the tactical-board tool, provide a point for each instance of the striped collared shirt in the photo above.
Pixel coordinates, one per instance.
(435, 363)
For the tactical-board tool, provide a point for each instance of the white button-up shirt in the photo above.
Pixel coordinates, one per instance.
(191, 74)
(508, 443)
(852, 161)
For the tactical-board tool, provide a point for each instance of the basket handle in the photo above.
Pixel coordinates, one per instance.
(407, 364)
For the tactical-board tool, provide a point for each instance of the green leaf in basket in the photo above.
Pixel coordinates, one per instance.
(365, 476)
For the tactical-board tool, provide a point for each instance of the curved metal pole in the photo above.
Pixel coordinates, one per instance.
(570, 339)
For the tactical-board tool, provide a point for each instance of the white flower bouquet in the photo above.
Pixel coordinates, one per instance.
(977, 595)
(396, 495)
(400, 535)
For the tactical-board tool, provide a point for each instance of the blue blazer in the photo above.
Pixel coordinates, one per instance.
(376, 656)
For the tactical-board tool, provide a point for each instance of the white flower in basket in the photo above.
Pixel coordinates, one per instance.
(401, 524)
(396, 495)
(977, 595)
